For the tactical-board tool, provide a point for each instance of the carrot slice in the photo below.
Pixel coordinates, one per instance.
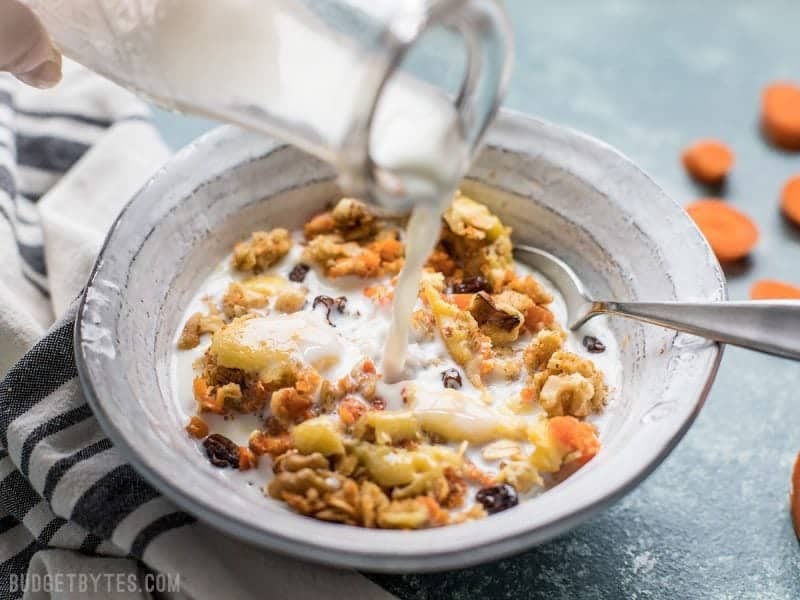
(790, 199)
(708, 161)
(794, 497)
(730, 233)
(780, 114)
(462, 301)
(772, 289)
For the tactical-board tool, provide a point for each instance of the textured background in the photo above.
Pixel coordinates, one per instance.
(649, 77)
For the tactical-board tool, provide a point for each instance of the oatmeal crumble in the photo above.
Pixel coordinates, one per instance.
(262, 250)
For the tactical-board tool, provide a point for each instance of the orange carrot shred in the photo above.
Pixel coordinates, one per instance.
(708, 161)
(780, 114)
(790, 199)
(538, 317)
(197, 428)
(772, 289)
(462, 301)
(247, 460)
(730, 233)
(576, 435)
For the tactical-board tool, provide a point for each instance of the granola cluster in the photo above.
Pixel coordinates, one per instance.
(336, 451)
(350, 240)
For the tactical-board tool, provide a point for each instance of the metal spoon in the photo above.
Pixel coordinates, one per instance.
(771, 326)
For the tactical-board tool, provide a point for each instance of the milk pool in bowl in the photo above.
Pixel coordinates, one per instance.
(360, 332)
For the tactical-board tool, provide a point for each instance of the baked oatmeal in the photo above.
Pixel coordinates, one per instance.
(495, 403)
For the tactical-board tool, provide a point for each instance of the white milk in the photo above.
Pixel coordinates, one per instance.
(421, 237)
(429, 169)
(362, 332)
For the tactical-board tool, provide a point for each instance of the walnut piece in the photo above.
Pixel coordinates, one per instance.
(308, 485)
(577, 390)
(567, 395)
(541, 348)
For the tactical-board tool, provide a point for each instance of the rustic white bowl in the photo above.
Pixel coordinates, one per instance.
(559, 189)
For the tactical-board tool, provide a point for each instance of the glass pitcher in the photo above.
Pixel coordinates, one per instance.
(319, 74)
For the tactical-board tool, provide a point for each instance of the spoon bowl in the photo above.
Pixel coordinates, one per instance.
(767, 326)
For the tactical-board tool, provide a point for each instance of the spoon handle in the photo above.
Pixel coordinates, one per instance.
(771, 326)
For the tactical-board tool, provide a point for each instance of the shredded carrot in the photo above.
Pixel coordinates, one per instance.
(350, 410)
(206, 399)
(197, 428)
(380, 294)
(575, 435)
(526, 395)
(473, 473)
(537, 318)
(388, 249)
(274, 445)
(462, 301)
(708, 161)
(780, 114)
(790, 200)
(772, 289)
(730, 233)
(247, 460)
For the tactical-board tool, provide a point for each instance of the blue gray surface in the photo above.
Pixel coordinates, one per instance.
(649, 77)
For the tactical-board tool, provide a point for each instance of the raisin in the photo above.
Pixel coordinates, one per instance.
(472, 285)
(451, 378)
(593, 345)
(497, 498)
(330, 303)
(299, 272)
(221, 451)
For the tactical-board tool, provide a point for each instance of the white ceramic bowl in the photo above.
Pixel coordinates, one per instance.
(558, 189)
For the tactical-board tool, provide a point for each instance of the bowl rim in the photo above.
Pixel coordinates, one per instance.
(435, 554)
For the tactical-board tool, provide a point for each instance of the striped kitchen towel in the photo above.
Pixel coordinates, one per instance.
(75, 519)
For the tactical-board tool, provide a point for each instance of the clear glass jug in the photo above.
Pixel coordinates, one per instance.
(325, 75)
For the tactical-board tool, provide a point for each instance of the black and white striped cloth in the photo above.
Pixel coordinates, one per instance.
(69, 504)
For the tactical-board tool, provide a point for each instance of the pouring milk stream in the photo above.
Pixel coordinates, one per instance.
(321, 76)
